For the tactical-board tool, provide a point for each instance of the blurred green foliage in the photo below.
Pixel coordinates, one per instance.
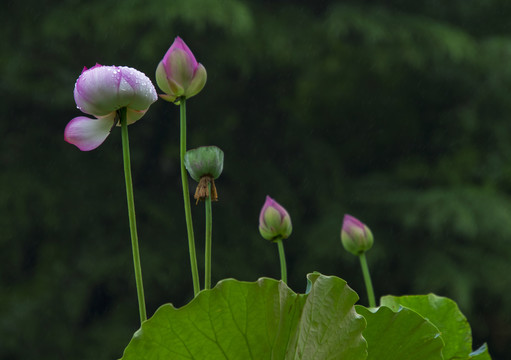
(396, 112)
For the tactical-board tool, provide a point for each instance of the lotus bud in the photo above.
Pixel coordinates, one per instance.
(179, 75)
(274, 221)
(205, 164)
(356, 237)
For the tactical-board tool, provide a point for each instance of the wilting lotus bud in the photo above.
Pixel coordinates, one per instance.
(274, 221)
(101, 91)
(205, 164)
(179, 74)
(355, 235)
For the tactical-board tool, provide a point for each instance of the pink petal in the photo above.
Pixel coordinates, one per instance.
(86, 133)
(136, 91)
(101, 90)
(180, 44)
(97, 89)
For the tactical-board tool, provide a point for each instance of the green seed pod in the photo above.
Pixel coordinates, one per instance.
(204, 161)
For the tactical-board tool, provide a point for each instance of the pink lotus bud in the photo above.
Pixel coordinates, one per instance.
(101, 91)
(179, 74)
(274, 221)
(355, 235)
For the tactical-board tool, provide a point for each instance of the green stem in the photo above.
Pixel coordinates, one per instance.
(209, 226)
(131, 214)
(283, 269)
(186, 198)
(367, 279)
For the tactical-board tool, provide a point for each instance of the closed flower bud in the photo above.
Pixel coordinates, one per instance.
(205, 164)
(355, 235)
(179, 74)
(274, 221)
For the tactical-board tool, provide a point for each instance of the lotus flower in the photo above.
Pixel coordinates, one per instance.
(179, 74)
(355, 235)
(274, 221)
(101, 91)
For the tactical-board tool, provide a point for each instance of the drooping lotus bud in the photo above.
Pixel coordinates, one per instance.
(179, 74)
(356, 237)
(101, 91)
(205, 164)
(274, 221)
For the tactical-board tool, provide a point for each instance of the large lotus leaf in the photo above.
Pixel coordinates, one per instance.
(445, 315)
(401, 335)
(256, 320)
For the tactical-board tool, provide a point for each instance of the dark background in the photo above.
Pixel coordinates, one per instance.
(394, 111)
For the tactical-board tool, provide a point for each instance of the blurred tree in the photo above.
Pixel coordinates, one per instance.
(396, 112)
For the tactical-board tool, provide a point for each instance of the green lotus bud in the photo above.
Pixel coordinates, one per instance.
(355, 235)
(205, 164)
(179, 74)
(274, 221)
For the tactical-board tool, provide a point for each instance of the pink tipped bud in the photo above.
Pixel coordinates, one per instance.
(274, 221)
(355, 235)
(179, 74)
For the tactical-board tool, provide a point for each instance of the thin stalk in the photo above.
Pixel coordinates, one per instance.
(186, 198)
(131, 214)
(282, 255)
(207, 255)
(367, 279)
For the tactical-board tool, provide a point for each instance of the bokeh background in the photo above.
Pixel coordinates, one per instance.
(397, 112)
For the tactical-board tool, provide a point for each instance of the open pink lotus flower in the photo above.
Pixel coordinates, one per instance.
(179, 74)
(101, 91)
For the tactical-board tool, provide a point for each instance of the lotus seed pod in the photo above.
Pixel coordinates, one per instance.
(204, 160)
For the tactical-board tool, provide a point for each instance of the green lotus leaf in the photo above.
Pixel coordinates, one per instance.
(446, 316)
(256, 320)
(400, 335)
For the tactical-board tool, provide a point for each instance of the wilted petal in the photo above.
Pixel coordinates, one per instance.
(86, 133)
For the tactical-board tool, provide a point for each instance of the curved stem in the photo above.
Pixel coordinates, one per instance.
(283, 269)
(367, 279)
(131, 214)
(186, 198)
(209, 226)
